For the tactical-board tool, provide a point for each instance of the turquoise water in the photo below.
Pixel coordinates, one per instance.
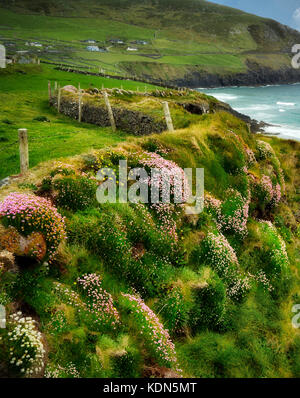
(277, 105)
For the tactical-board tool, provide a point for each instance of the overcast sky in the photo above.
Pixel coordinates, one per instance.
(284, 11)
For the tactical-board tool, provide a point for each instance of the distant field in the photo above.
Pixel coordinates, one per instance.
(65, 36)
(24, 96)
(182, 38)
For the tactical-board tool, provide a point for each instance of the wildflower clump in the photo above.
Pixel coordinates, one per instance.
(265, 151)
(232, 214)
(99, 302)
(235, 212)
(94, 306)
(153, 332)
(62, 372)
(25, 345)
(170, 173)
(250, 157)
(217, 252)
(75, 192)
(30, 213)
(275, 250)
(266, 192)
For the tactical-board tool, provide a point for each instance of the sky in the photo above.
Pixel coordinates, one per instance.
(284, 11)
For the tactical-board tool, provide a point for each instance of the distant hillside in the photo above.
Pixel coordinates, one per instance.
(191, 42)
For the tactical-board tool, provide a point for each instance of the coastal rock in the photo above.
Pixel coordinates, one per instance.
(33, 246)
(70, 89)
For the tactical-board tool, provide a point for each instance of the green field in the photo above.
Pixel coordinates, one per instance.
(24, 96)
(201, 35)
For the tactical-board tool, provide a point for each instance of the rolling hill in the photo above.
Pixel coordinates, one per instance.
(192, 43)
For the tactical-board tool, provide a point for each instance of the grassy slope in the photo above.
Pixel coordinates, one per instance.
(206, 36)
(258, 341)
(23, 97)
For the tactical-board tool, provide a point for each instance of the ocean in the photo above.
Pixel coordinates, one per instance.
(276, 105)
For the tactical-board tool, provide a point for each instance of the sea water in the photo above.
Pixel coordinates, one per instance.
(276, 105)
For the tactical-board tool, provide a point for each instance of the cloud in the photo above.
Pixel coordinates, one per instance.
(296, 17)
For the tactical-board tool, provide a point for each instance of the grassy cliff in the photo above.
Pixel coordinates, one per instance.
(138, 290)
(193, 43)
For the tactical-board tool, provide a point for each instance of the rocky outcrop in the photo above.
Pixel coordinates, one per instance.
(254, 125)
(256, 76)
(33, 246)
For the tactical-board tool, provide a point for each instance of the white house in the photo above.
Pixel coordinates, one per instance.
(34, 44)
(93, 48)
(132, 49)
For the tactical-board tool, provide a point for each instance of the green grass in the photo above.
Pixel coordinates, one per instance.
(129, 247)
(24, 96)
(202, 35)
(249, 336)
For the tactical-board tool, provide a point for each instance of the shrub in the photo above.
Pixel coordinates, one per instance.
(59, 323)
(68, 371)
(25, 344)
(141, 228)
(234, 213)
(264, 149)
(29, 213)
(265, 193)
(266, 152)
(98, 232)
(98, 301)
(64, 169)
(169, 170)
(95, 306)
(156, 337)
(209, 296)
(216, 251)
(250, 156)
(103, 233)
(170, 175)
(275, 259)
(75, 193)
(231, 215)
(174, 310)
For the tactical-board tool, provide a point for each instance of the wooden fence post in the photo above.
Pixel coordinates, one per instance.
(79, 105)
(168, 116)
(55, 86)
(23, 144)
(110, 112)
(58, 99)
(49, 90)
